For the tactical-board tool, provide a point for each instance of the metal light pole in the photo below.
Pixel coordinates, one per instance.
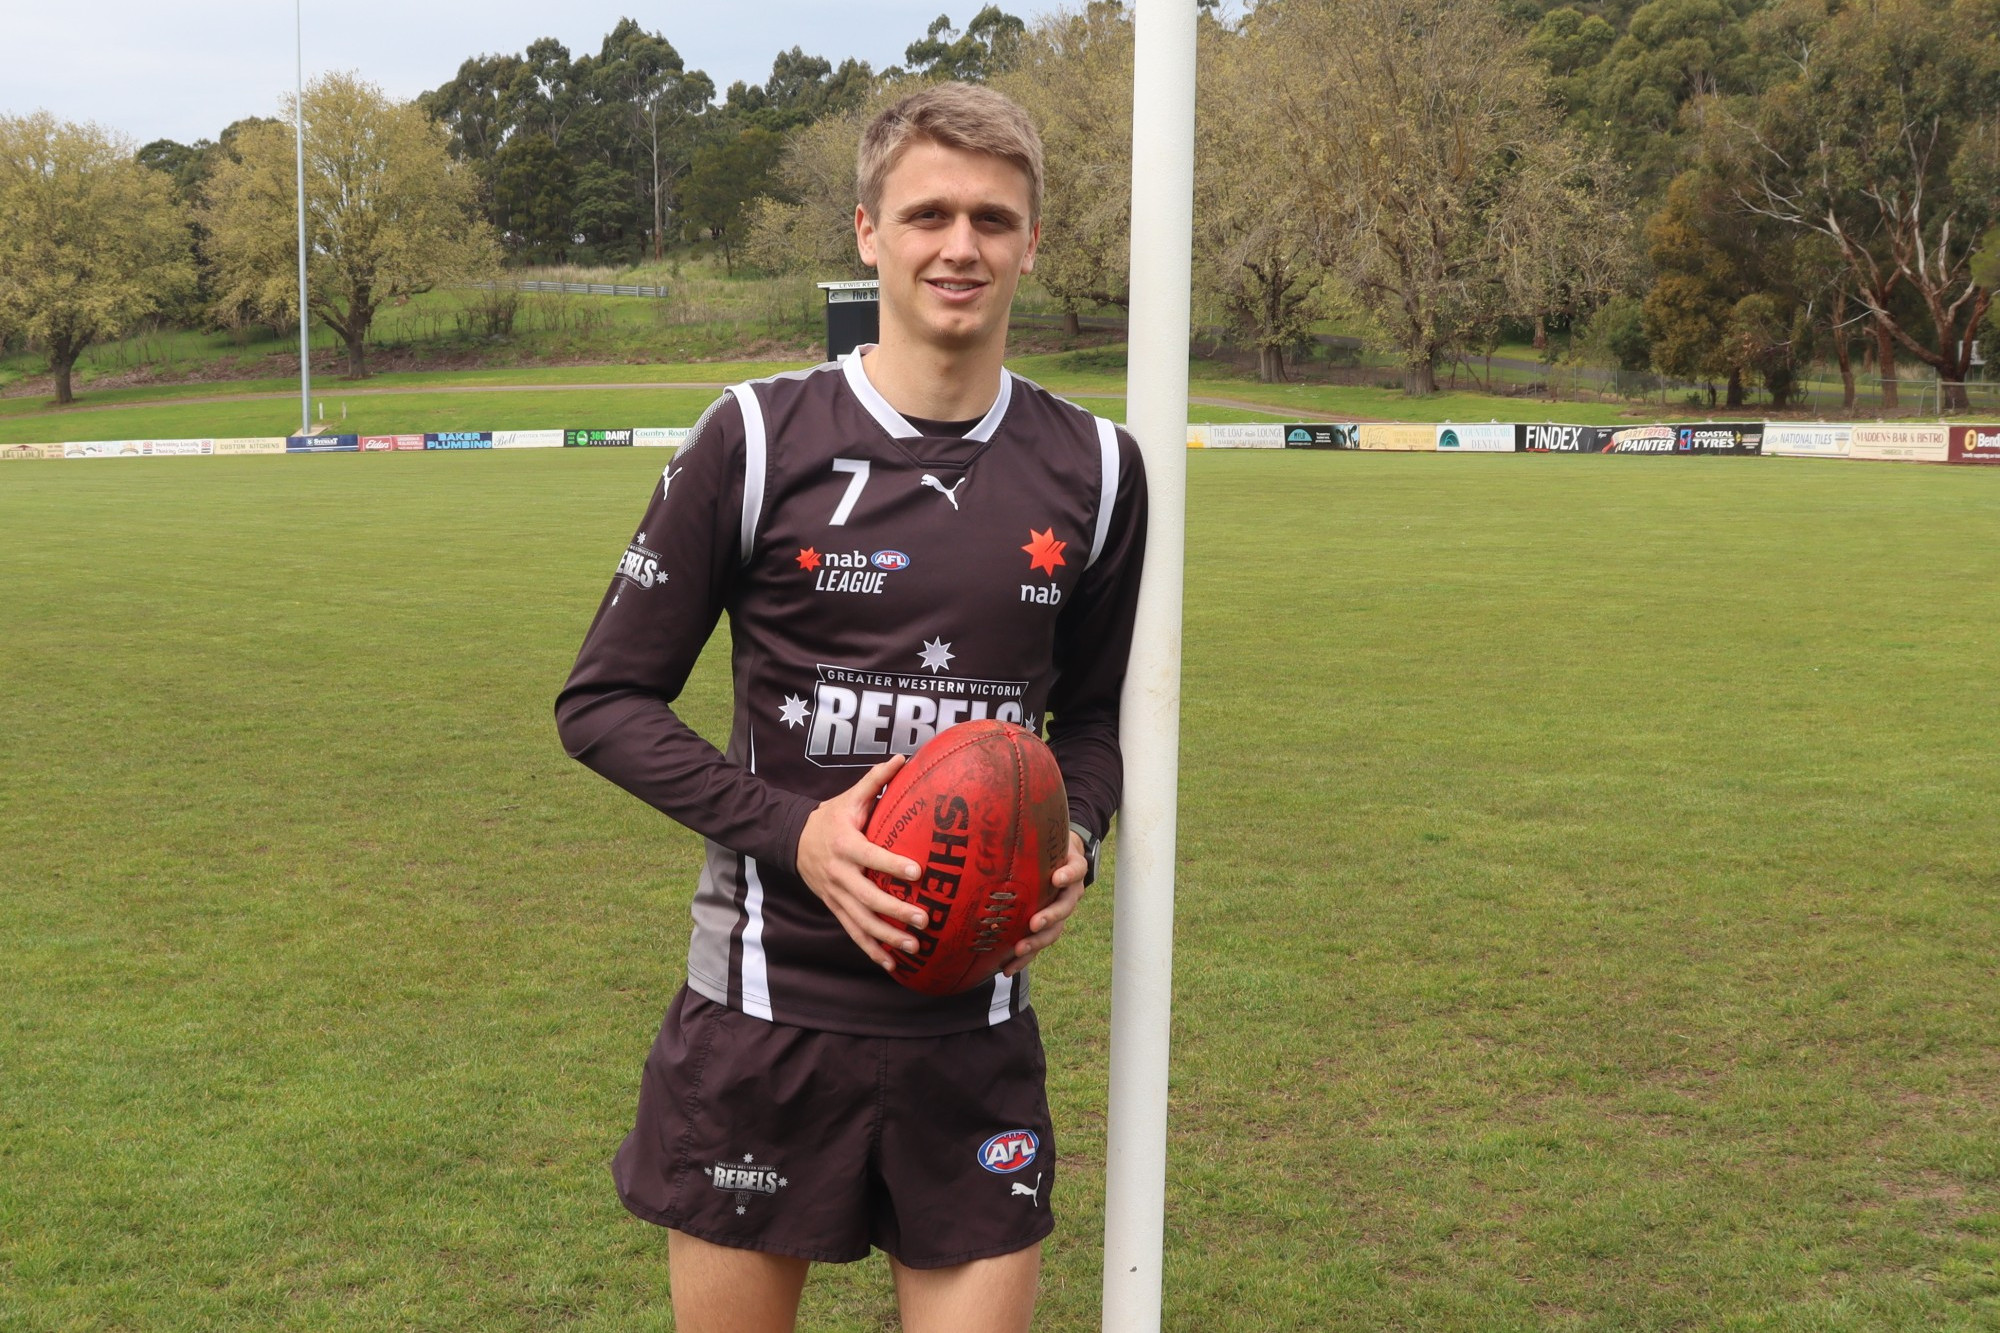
(305, 320)
(1163, 85)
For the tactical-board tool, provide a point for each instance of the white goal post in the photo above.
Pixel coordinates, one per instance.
(1163, 79)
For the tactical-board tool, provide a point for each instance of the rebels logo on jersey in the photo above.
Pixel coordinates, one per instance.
(859, 718)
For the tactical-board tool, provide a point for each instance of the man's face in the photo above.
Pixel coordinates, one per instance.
(950, 244)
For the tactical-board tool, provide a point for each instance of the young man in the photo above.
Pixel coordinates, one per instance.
(904, 539)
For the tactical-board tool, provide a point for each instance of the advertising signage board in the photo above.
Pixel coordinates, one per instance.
(1637, 440)
(322, 444)
(1479, 437)
(597, 439)
(1901, 444)
(527, 439)
(1313, 435)
(1719, 437)
(1399, 437)
(1975, 444)
(1558, 439)
(459, 439)
(1816, 440)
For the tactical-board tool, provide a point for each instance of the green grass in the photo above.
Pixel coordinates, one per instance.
(480, 400)
(1587, 911)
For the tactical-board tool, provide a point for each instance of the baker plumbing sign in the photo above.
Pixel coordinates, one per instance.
(1975, 444)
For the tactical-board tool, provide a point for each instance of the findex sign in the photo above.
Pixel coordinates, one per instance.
(1556, 439)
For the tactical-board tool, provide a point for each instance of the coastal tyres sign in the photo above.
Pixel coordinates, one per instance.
(101, 449)
(322, 444)
(1312, 435)
(459, 439)
(1975, 444)
(1720, 437)
(1399, 438)
(1807, 441)
(1559, 439)
(1491, 437)
(1901, 444)
(1639, 440)
(597, 439)
(527, 439)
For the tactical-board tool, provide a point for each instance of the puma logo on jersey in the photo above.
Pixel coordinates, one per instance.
(939, 487)
(667, 475)
(1032, 1195)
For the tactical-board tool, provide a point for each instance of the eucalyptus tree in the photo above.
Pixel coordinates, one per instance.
(91, 240)
(389, 213)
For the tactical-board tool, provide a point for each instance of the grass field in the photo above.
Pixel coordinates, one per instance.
(1588, 915)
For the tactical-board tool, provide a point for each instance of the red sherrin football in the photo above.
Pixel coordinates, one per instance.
(982, 810)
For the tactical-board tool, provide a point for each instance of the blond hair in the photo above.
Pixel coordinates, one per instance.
(955, 115)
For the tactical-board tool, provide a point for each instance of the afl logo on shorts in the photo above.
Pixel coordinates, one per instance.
(890, 560)
(1004, 1154)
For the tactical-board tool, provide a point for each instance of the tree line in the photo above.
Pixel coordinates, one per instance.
(1716, 190)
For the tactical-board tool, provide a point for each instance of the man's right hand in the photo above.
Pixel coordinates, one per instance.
(834, 853)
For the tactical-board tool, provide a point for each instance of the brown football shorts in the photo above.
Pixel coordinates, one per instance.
(817, 1145)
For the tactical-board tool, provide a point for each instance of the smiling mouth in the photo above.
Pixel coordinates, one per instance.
(955, 285)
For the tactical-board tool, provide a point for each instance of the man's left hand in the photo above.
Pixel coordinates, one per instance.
(1047, 925)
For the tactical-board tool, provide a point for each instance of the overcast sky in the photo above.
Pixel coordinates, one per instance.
(157, 70)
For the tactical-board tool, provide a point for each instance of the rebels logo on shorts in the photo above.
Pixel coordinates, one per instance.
(1004, 1154)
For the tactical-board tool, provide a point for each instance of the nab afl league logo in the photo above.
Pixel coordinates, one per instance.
(889, 560)
(1004, 1154)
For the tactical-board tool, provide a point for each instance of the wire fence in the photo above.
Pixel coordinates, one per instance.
(576, 288)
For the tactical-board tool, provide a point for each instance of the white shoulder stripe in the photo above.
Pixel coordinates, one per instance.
(753, 465)
(1107, 486)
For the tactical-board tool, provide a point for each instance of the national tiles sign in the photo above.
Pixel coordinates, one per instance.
(1807, 440)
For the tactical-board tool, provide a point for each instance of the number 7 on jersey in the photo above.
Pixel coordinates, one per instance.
(858, 467)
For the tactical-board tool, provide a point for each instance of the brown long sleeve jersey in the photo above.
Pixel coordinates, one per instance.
(881, 585)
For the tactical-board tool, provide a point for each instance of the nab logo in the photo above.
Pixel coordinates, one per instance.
(889, 560)
(1015, 1150)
